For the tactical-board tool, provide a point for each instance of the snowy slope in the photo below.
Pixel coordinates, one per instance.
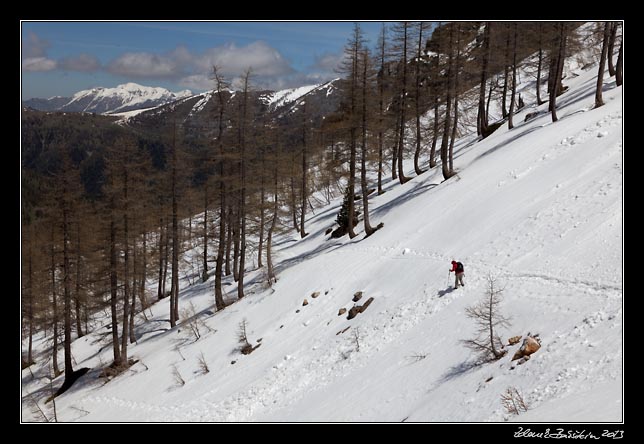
(538, 207)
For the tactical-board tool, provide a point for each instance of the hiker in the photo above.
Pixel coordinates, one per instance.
(457, 268)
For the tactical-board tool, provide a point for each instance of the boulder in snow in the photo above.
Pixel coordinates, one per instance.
(305, 303)
(514, 340)
(357, 296)
(342, 311)
(529, 346)
(315, 294)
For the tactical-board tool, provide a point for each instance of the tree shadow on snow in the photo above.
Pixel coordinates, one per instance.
(460, 369)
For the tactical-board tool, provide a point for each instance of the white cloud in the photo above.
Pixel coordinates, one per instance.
(145, 65)
(197, 82)
(233, 60)
(82, 63)
(34, 47)
(38, 64)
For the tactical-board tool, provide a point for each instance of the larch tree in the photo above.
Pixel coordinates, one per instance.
(513, 31)
(481, 116)
(381, 50)
(351, 68)
(419, 71)
(401, 49)
(366, 87)
(619, 77)
(602, 64)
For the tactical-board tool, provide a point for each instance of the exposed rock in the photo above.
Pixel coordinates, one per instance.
(514, 340)
(342, 331)
(530, 116)
(248, 349)
(342, 311)
(357, 296)
(315, 294)
(305, 303)
(366, 304)
(232, 362)
(353, 312)
(529, 346)
(523, 360)
(328, 230)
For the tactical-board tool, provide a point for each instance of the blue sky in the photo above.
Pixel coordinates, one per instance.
(60, 58)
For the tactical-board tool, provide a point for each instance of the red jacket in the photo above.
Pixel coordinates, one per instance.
(454, 265)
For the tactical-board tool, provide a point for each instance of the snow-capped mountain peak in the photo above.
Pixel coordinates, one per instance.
(125, 97)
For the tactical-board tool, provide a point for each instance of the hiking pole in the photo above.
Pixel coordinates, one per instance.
(448, 273)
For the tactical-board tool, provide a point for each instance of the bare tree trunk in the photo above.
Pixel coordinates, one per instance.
(262, 203)
(54, 304)
(126, 271)
(174, 292)
(611, 48)
(135, 288)
(204, 274)
(144, 266)
(77, 299)
(293, 201)
(394, 152)
(481, 120)
(161, 243)
(403, 95)
(419, 53)
(539, 65)
(381, 106)
(236, 236)
(561, 53)
(229, 238)
(242, 202)
(303, 233)
(489, 99)
(602, 63)
(30, 301)
(369, 230)
(220, 84)
(114, 285)
(447, 171)
(514, 76)
(456, 76)
(66, 289)
(269, 241)
(619, 79)
(504, 108)
(432, 153)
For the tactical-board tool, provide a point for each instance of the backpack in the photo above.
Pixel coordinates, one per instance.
(459, 267)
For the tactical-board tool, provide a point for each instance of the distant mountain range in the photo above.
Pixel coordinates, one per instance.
(126, 97)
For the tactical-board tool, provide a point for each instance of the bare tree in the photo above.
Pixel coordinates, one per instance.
(418, 94)
(602, 64)
(487, 317)
(514, 32)
(481, 117)
(220, 85)
(513, 401)
(382, 48)
(611, 47)
(401, 46)
(366, 87)
(619, 79)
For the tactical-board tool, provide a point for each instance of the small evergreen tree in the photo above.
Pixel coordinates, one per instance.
(343, 216)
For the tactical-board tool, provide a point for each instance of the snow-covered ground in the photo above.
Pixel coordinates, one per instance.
(538, 207)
